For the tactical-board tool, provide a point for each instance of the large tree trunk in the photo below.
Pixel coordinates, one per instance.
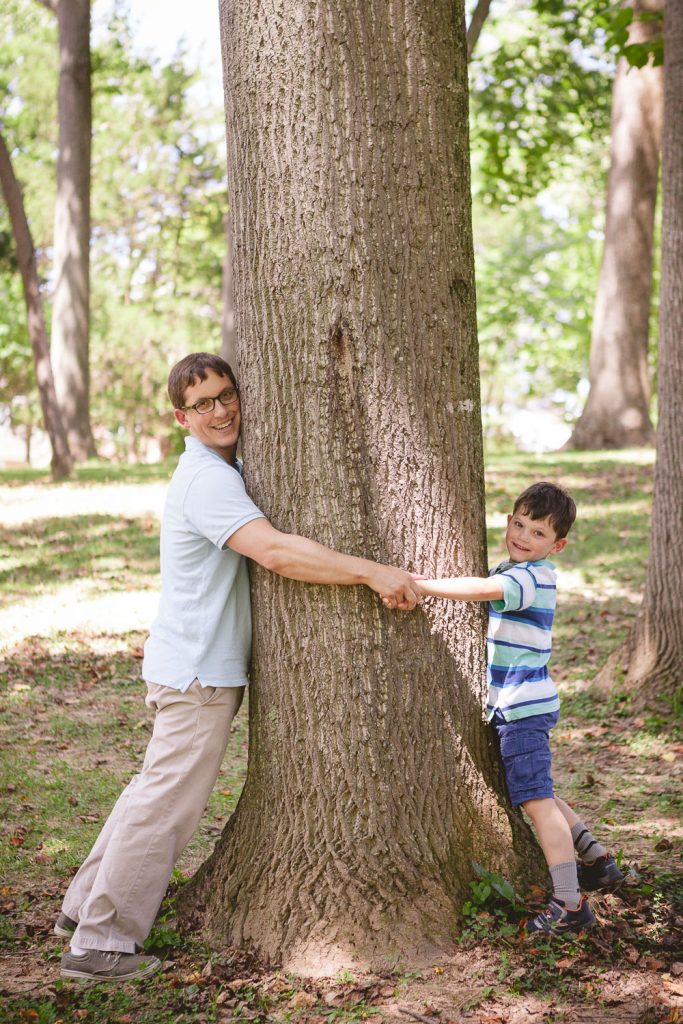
(652, 657)
(228, 332)
(372, 783)
(70, 311)
(26, 258)
(616, 414)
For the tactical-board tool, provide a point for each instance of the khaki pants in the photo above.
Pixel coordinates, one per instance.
(117, 891)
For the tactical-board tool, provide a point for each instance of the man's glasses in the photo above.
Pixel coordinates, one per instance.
(227, 397)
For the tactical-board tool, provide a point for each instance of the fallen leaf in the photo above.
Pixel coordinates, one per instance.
(225, 997)
(335, 997)
(301, 999)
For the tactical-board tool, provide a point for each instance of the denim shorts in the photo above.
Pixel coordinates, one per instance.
(525, 752)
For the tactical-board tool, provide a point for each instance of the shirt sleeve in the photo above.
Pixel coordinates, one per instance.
(519, 589)
(216, 504)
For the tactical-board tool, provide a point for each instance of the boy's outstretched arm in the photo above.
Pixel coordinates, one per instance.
(463, 588)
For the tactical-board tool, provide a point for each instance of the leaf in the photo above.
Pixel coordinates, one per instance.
(302, 999)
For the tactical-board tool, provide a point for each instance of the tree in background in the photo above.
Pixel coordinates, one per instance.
(70, 338)
(26, 259)
(616, 414)
(372, 783)
(158, 203)
(28, 105)
(651, 660)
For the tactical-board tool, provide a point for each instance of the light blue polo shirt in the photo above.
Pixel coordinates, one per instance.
(203, 626)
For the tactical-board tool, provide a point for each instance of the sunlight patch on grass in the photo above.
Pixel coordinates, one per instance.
(77, 606)
(28, 504)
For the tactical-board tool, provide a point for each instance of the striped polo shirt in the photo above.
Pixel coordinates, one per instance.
(519, 641)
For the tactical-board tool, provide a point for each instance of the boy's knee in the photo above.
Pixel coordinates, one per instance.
(537, 806)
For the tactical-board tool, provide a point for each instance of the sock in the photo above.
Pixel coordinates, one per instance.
(588, 848)
(566, 884)
(78, 950)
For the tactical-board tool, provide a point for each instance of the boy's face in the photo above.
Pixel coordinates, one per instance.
(530, 540)
(218, 429)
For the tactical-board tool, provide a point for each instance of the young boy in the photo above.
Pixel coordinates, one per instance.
(523, 705)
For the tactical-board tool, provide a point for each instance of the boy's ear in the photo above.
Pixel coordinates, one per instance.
(558, 546)
(180, 417)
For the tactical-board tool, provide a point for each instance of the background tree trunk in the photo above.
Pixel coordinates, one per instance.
(479, 16)
(26, 258)
(652, 657)
(372, 783)
(616, 414)
(70, 312)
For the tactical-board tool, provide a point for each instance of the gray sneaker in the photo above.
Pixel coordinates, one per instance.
(65, 926)
(101, 965)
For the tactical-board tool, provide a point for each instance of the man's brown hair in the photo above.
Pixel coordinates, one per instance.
(194, 368)
(548, 501)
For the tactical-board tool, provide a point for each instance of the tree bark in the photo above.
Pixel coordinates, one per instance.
(652, 657)
(372, 782)
(616, 414)
(228, 332)
(26, 258)
(70, 311)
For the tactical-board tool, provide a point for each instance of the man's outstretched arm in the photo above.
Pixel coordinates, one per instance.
(299, 558)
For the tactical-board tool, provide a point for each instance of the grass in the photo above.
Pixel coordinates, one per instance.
(73, 728)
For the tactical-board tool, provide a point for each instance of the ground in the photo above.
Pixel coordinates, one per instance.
(77, 588)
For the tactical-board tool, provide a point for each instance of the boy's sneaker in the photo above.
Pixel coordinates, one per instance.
(602, 873)
(100, 965)
(65, 926)
(556, 919)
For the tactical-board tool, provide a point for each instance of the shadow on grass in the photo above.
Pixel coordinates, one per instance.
(117, 553)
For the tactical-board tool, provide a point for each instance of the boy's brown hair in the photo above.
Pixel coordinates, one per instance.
(191, 369)
(548, 501)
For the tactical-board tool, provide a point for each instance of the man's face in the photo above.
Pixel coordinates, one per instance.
(530, 540)
(218, 429)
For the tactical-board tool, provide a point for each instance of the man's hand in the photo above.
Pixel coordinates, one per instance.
(396, 587)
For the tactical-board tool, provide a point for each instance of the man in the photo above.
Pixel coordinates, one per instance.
(195, 665)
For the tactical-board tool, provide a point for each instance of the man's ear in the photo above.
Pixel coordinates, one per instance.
(181, 417)
(558, 546)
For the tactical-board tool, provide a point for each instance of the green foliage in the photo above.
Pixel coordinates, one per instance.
(493, 908)
(540, 97)
(537, 266)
